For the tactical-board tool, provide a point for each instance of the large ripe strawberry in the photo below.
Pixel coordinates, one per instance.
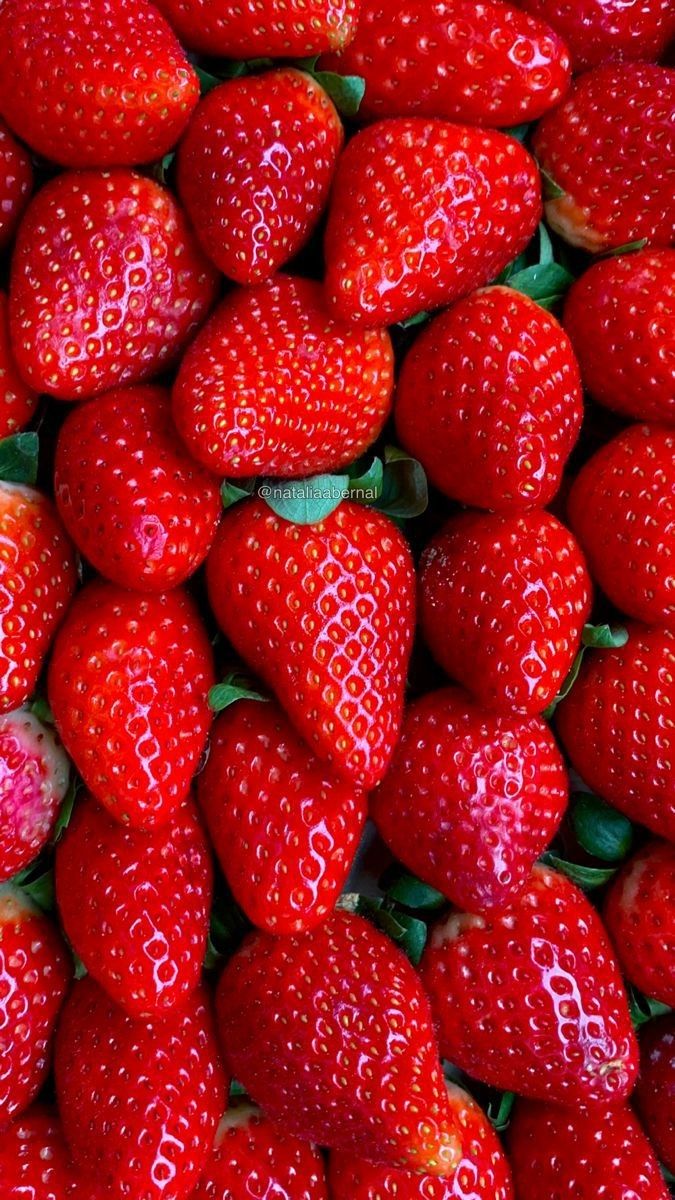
(17, 401)
(134, 502)
(503, 600)
(655, 1091)
(489, 400)
(620, 315)
(600, 31)
(34, 773)
(93, 85)
(262, 28)
(272, 385)
(35, 971)
(471, 798)
(617, 727)
(530, 999)
(325, 614)
(331, 1034)
(16, 181)
(128, 683)
(421, 213)
(37, 579)
(610, 148)
(639, 913)
(139, 1100)
(108, 283)
(255, 168)
(35, 1163)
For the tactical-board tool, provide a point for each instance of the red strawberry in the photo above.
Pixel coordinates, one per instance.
(108, 284)
(503, 600)
(17, 401)
(272, 385)
(92, 84)
(262, 28)
(255, 168)
(489, 399)
(598, 31)
(135, 906)
(530, 999)
(622, 510)
(471, 799)
(620, 316)
(140, 509)
(610, 148)
(285, 831)
(325, 614)
(487, 64)
(34, 1161)
(34, 772)
(37, 580)
(35, 971)
(128, 682)
(421, 213)
(639, 913)
(655, 1092)
(617, 727)
(16, 182)
(139, 1100)
(330, 1032)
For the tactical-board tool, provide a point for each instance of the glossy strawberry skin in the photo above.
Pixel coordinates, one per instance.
(17, 401)
(37, 579)
(610, 147)
(128, 683)
(655, 1091)
(132, 499)
(290, 1009)
(502, 601)
(616, 726)
(35, 1163)
(489, 400)
(34, 773)
(272, 385)
(94, 85)
(421, 213)
(600, 31)
(262, 28)
(532, 998)
(108, 284)
(639, 912)
(255, 167)
(16, 182)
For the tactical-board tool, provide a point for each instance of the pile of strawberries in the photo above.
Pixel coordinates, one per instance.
(283, 549)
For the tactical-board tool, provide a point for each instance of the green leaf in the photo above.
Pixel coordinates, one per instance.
(305, 501)
(163, 167)
(232, 493)
(499, 1110)
(40, 889)
(604, 637)
(587, 878)
(405, 492)
(643, 1009)
(80, 969)
(544, 282)
(410, 322)
(551, 189)
(346, 91)
(208, 82)
(42, 711)
(234, 687)
(66, 810)
(519, 132)
(545, 246)
(409, 933)
(627, 248)
(412, 893)
(19, 458)
(599, 829)
(236, 1089)
(367, 486)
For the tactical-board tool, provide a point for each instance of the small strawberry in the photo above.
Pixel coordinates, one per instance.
(655, 1091)
(600, 31)
(128, 682)
(255, 168)
(93, 85)
(503, 600)
(617, 727)
(609, 148)
(471, 799)
(620, 316)
(17, 401)
(16, 182)
(262, 28)
(35, 1164)
(331, 1033)
(489, 399)
(108, 284)
(324, 613)
(421, 213)
(134, 502)
(530, 999)
(34, 773)
(639, 913)
(272, 385)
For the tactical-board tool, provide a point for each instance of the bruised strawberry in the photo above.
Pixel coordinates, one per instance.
(639, 913)
(34, 772)
(16, 182)
(262, 28)
(421, 213)
(17, 401)
(272, 385)
(655, 1091)
(35, 1163)
(599, 31)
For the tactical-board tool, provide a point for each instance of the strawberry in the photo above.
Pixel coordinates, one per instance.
(37, 580)
(262, 28)
(16, 182)
(655, 1091)
(421, 213)
(622, 511)
(108, 284)
(35, 971)
(331, 1034)
(531, 999)
(598, 31)
(134, 502)
(609, 148)
(255, 168)
(482, 65)
(324, 613)
(34, 772)
(272, 385)
(34, 1161)
(93, 85)
(620, 316)
(135, 906)
(639, 913)
(17, 401)
(139, 1100)
(616, 726)
(503, 600)
(285, 832)
(489, 399)
(471, 798)
(128, 682)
